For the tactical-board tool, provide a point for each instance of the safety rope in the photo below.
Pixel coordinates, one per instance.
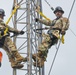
(57, 48)
(43, 15)
(70, 14)
(37, 7)
(49, 5)
(13, 12)
(71, 9)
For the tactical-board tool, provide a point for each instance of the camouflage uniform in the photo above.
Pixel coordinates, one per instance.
(6, 43)
(51, 38)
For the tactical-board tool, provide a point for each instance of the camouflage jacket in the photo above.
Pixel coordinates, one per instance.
(57, 25)
(3, 26)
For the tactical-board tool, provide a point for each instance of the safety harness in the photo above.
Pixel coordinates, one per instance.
(62, 37)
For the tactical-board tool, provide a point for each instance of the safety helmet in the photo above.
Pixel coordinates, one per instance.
(2, 12)
(58, 9)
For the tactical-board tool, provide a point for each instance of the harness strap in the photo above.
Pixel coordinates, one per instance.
(13, 12)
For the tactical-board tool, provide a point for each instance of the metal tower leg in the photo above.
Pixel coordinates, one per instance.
(27, 44)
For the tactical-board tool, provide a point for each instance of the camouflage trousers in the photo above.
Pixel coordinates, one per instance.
(47, 42)
(9, 46)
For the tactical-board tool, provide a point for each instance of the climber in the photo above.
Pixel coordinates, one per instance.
(57, 27)
(7, 44)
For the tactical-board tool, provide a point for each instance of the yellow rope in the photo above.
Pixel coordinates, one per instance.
(62, 39)
(38, 10)
(13, 12)
(43, 15)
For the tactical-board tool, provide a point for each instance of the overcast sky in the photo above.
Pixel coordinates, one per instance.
(65, 63)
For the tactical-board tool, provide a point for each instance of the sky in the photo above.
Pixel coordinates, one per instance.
(65, 62)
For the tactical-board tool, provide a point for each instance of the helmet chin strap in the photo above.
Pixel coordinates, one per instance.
(58, 17)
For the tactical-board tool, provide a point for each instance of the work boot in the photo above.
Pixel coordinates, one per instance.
(15, 64)
(36, 56)
(18, 57)
(40, 63)
(39, 60)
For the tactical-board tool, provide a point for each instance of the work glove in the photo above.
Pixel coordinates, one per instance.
(63, 32)
(17, 33)
(36, 19)
(22, 32)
